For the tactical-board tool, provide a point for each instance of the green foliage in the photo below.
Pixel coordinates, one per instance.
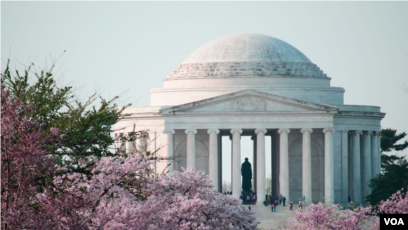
(48, 99)
(394, 174)
(389, 140)
(88, 132)
(393, 179)
(86, 128)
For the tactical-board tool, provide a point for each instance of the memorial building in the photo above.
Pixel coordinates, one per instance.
(260, 86)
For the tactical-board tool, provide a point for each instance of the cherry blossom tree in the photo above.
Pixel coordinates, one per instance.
(188, 200)
(25, 167)
(321, 216)
(396, 204)
(123, 194)
(102, 201)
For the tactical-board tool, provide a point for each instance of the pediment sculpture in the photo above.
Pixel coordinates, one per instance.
(248, 104)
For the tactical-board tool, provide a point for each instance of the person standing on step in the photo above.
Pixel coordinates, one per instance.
(276, 204)
(272, 204)
(284, 200)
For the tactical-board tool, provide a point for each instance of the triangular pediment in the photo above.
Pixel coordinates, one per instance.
(248, 101)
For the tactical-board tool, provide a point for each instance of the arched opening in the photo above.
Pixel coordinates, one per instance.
(296, 167)
(201, 154)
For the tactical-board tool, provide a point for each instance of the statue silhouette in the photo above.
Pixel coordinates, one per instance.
(246, 173)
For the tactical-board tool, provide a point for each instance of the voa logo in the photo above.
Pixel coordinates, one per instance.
(393, 221)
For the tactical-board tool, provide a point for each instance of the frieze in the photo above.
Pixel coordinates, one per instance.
(248, 104)
(258, 69)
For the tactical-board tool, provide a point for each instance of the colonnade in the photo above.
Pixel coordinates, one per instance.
(139, 144)
(360, 157)
(360, 160)
(260, 158)
(307, 163)
(365, 162)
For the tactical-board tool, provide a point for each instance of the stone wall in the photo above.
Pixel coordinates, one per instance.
(295, 165)
(201, 150)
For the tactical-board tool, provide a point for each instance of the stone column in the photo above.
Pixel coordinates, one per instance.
(213, 156)
(152, 143)
(375, 155)
(129, 145)
(122, 142)
(170, 149)
(232, 154)
(143, 142)
(307, 164)
(344, 166)
(139, 143)
(328, 165)
(191, 147)
(260, 165)
(356, 198)
(117, 141)
(236, 162)
(284, 163)
(254, 167)
(366, 172)
(379, 150)
(350, 163)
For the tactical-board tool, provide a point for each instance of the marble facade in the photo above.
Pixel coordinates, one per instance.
(259, 86)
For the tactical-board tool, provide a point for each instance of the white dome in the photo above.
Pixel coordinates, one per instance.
(246, 55)
(246, 61)
(246, 48)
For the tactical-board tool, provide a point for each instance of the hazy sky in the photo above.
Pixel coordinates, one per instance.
(119, 46)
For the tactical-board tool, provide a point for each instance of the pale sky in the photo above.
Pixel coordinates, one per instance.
(117, 46)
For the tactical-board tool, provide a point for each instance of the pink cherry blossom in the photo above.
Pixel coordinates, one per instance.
(180, 201)
(396, 204)
(24, 164)
(321, 216)
(188, 200)
(122, 192)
